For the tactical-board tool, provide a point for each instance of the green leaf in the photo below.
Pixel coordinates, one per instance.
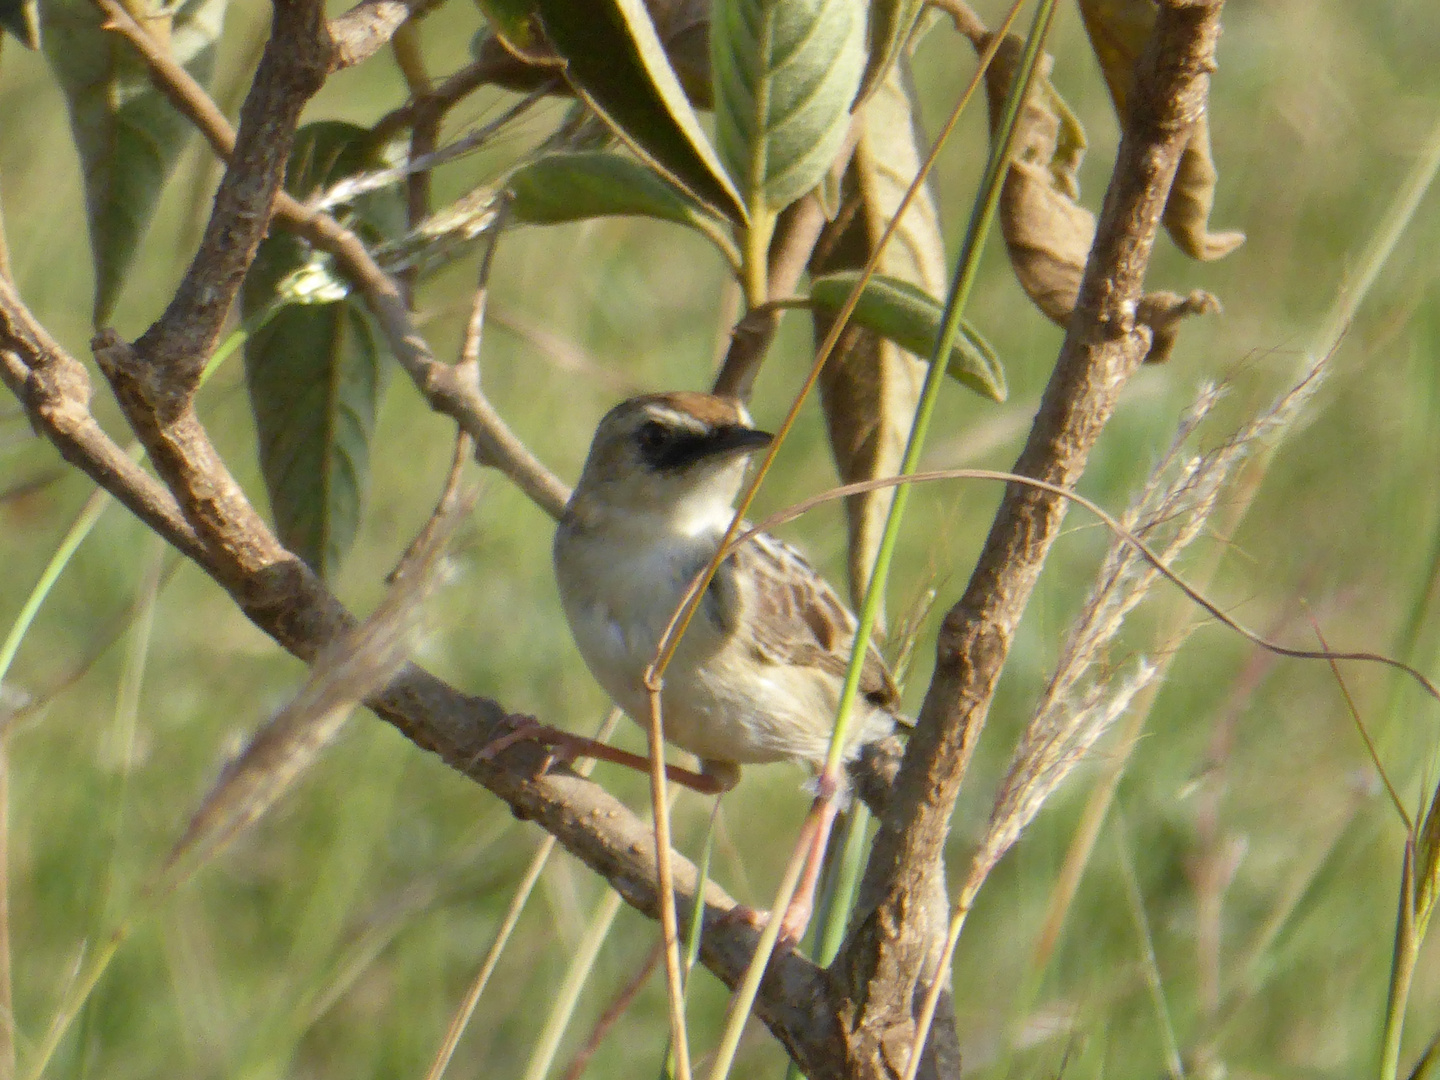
(560, 188)
(512, 20)
(314, 375)
(870, 387)
(891, 22)
(911, 318)
(785, 74)
(614, 60)
(326, 152)
(314, 368)
(22, 19)
(127, 134)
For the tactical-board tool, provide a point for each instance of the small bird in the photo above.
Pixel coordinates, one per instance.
(758, 673)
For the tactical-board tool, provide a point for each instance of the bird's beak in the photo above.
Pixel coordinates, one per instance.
(737, 440)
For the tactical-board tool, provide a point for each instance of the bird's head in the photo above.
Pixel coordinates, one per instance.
(678, 456)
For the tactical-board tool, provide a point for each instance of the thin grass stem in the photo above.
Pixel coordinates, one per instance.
(750, 983)
(1173, 1064)
(74, 536)
(665, 873)
(567, 994)
(528, 880)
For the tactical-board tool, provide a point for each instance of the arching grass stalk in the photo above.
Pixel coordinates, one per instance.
(961, 284)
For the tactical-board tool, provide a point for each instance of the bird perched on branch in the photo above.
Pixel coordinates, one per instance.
(758, 673)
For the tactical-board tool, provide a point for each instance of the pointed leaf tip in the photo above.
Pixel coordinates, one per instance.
(911, 318)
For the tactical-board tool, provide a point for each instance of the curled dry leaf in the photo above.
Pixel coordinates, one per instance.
(1048, 233)
(870, 387)
(1162, 313)
(1118, 30)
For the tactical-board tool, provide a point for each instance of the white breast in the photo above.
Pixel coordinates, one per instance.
(618, 599)
(718, 701)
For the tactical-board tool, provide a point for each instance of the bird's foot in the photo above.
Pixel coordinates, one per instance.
(566, 747)
(792, 926)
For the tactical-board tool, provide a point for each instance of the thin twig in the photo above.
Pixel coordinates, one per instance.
(351, 187)
(409, 58)
(622, 1001)
(440, 100)
(363, 31)
(292, 69)
(467, 366)
(496, 443)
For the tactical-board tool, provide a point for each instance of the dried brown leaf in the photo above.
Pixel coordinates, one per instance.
(1048, 233)
(1192, 197)
(1118, 31)
(870, 387)
(1048, 237)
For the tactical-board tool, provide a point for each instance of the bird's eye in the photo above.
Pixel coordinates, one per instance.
(652, 436)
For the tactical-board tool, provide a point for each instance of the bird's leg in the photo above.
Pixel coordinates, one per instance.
(571, 746)
(815, 837)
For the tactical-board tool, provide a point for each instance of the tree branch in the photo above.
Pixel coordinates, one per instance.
(286, 600)
(54, 388)
(446, 392)
(368, 27)
(435, 102)
(292, 69)
(882, 963)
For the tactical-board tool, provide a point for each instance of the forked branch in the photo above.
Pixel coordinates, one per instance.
(882, 964)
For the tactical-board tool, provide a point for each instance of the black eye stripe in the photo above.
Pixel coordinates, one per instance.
(671, 448)
(663, 448)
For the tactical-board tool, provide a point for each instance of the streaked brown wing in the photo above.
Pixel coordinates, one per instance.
(799, 620)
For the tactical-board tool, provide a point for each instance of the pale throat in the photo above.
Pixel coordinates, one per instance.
(698, 515)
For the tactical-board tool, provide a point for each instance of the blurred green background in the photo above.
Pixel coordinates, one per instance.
(336, 938)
